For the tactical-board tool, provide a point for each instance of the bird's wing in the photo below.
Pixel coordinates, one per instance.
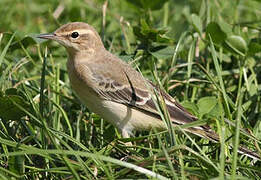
(141, 100)
(130, 88)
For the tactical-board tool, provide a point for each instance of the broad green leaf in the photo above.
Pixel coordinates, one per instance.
(237, 44)
(191, 107)
(11, 91)
(147, 34)
(162, 52)
(254, 46)
(217, 34)
(253, 90)
(163, 39)
(215, 112)
(8, 109)
(197, 23)
(251, 62)
(225, 27)
(246, 105)
(206, 104)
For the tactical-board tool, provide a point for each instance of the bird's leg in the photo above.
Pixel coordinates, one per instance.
(125, 134)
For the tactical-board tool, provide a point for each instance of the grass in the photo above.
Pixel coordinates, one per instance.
(206, 54)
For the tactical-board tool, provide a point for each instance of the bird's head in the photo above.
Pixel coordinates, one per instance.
(76, 37)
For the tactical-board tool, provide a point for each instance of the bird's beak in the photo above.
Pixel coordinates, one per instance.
(47, 36)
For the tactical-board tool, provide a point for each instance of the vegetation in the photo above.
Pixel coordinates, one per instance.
(204, 53)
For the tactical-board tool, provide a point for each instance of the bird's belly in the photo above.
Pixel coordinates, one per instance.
(125, 117)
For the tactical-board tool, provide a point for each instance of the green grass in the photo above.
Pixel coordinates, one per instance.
(204, 53)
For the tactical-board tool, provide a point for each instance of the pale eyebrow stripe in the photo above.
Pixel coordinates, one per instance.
(80, 31)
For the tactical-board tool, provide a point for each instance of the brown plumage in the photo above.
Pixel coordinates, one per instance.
(112, 88)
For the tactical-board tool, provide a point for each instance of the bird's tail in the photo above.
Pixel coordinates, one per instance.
(212, 136)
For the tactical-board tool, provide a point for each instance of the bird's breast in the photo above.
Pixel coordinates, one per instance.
(80, 79)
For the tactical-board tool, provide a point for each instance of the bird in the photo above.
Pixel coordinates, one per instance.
(114, 90)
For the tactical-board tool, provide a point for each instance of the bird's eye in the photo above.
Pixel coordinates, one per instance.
(75, 35)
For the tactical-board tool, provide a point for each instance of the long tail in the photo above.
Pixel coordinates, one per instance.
(211, 135)
(180, 115)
